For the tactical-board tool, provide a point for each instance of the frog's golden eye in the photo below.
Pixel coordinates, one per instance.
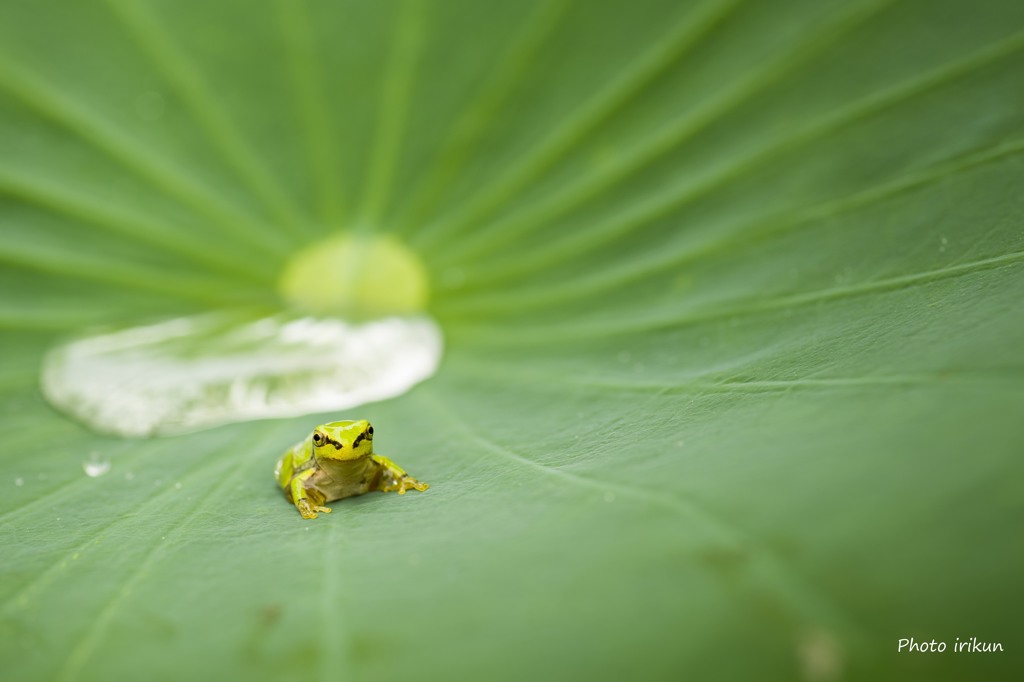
(318, 439)
(369, 432)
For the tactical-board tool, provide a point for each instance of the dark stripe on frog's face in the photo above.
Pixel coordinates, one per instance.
(321, 439)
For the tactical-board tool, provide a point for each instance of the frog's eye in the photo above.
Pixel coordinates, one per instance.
(318, 439)
(370, 431)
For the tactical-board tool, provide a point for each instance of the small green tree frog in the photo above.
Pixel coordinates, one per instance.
(337, 461)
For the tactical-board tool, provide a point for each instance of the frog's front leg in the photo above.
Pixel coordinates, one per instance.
(394, 478)
(306, 500)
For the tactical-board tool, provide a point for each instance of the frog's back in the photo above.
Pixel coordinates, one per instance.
(299, 457)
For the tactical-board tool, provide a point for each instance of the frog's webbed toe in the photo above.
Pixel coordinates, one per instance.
(401, 484)
(309, 511)
(410, 483)
(394, 479)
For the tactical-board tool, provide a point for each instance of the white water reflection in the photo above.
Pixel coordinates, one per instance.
(95, 466)
(196, 372)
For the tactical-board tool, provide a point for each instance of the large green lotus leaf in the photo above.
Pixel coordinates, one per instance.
(732, 299)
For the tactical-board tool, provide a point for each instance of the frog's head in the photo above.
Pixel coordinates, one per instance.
(343, 440)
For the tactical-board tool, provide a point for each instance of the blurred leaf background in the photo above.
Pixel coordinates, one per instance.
(732, 295)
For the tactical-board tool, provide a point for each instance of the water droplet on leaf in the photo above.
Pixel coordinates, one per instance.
(95, 466)
(213, 369)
